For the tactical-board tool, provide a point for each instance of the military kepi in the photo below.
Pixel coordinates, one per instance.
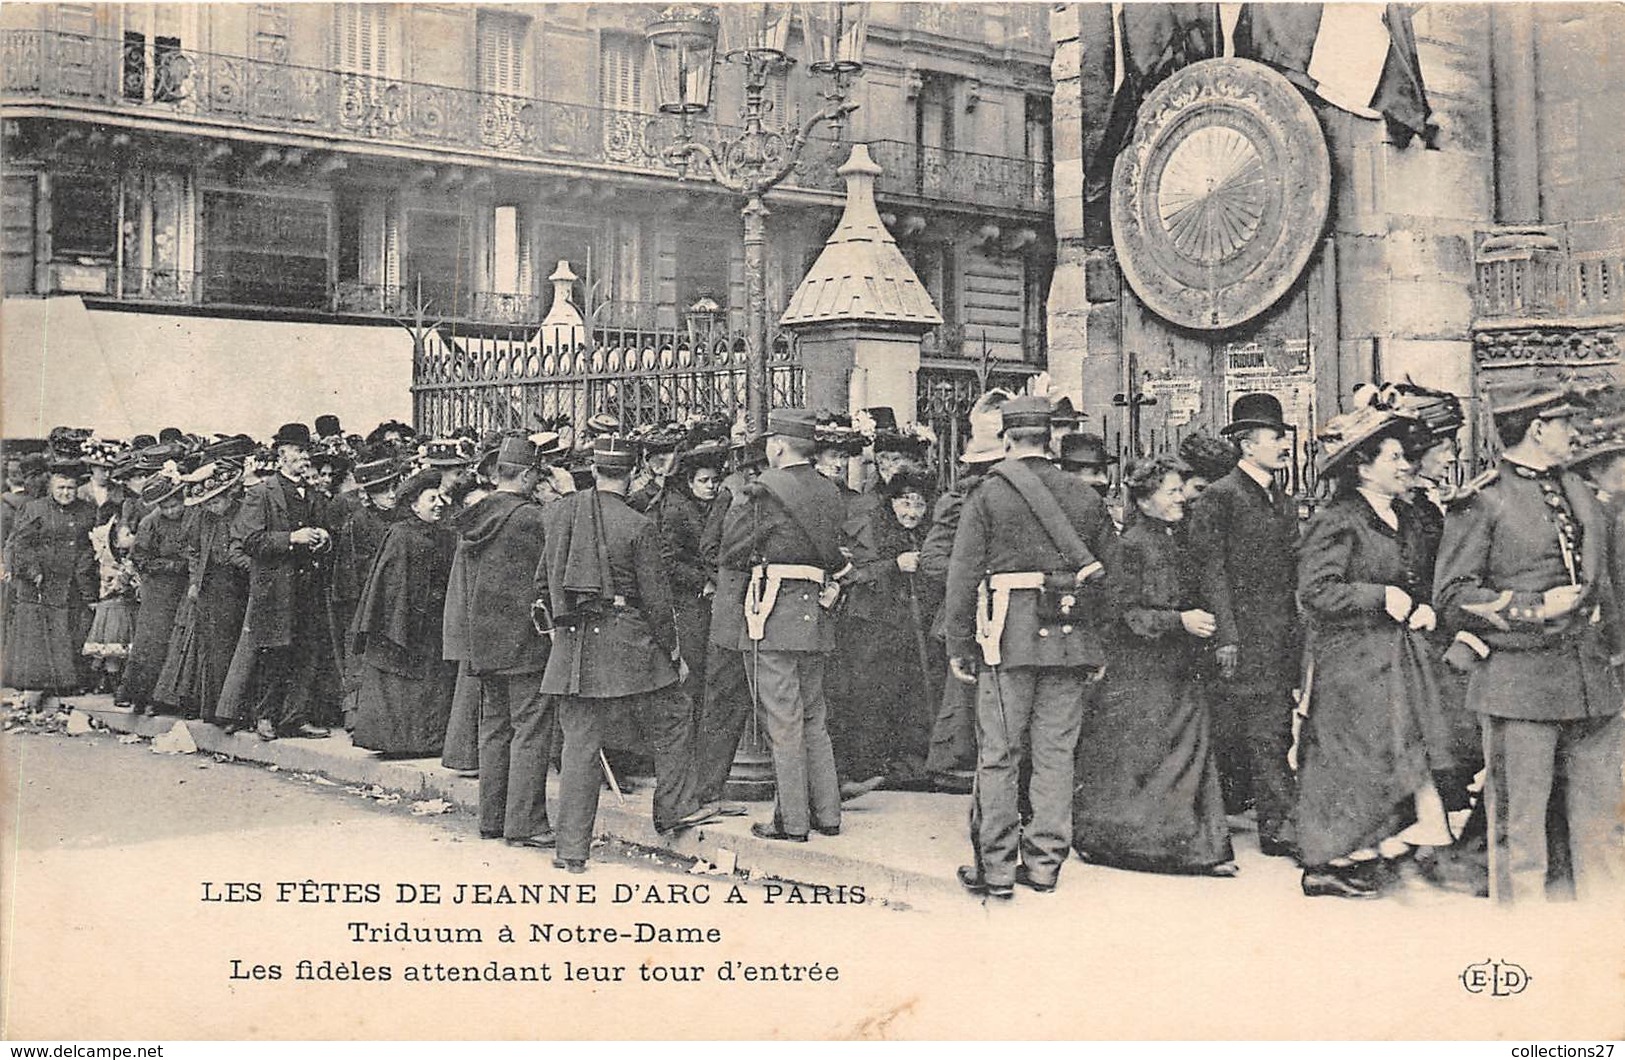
(1028, 410)
(614, 452)
(793, 423)
(1533, 401)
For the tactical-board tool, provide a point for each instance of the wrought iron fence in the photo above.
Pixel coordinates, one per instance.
(943, 400)
(502, 378)
(186, 83)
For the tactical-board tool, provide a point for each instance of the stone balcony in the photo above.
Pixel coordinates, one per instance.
(208, 93)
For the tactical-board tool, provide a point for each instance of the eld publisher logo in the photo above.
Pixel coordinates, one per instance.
(1495, 978)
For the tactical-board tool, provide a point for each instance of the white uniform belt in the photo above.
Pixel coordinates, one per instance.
(993, 607)
(763, 591)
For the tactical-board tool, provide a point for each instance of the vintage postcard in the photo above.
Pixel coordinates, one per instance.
(827, 521)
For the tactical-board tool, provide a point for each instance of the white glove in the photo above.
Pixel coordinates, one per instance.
(1397, 602)
(1423, 618)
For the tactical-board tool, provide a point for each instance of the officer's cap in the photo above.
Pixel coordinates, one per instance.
(1028, 410)
(614, 452)
(1543, 401)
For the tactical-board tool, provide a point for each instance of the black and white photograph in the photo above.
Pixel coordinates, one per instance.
(812, 521)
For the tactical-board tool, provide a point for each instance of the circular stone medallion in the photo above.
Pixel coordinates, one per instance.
(1219, 200)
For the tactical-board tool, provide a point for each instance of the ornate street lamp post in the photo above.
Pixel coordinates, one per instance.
(684, 39)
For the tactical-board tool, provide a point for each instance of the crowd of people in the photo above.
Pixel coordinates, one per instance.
(1420, 681)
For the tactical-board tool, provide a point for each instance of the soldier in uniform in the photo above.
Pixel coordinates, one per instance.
(784, 529)
(604, 582)
(1244, 536)
(1025, 596)
(488, 615)
(1526, 572)
(951, 760)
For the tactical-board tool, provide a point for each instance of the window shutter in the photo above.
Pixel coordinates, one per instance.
(620, 70)
(502, 54)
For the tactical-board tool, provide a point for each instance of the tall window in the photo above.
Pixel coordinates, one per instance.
(1038, 145)
(434, 260)
(933, 132)
(510, 251)
(265, 249)
(501, 44)
(620, 71)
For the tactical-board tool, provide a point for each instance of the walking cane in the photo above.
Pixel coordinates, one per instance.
(609, 775)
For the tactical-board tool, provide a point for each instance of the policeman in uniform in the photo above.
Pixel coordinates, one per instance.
(615, 642)
(1025, 591)
(1525, 572)
(784, 529)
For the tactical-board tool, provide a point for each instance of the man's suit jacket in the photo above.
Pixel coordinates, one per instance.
(1245, 549)
(271, 511)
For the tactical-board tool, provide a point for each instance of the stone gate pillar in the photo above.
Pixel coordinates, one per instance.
(860, 311)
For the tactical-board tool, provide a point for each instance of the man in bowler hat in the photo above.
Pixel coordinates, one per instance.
(1243, 536)
(284, 676)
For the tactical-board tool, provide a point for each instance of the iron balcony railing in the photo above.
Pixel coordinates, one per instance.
(73, 69)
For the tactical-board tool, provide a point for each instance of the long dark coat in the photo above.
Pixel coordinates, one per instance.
(1244, 549)
(406, 684)
(207, 628)
(681, 520)
(887, 719)
(159, 556)
(260, 533)
(1147, 794)
(1376, 731)
(614, 651)
(500, 547)
(53, 584)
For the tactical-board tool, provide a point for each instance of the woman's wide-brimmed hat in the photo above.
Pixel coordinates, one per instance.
(159, 490)
(1345, 433)
(210, 481)
(375, 475)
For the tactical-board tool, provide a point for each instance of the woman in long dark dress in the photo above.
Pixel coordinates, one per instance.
(886, 732)
(211, 619)
(54, 582)
(160, 560)
(685, 506)
(1375, 734)
(1147, 793)
(406, 683)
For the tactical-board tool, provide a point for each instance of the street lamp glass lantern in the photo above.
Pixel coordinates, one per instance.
(835, 35)
(763, 30)
(684, 39)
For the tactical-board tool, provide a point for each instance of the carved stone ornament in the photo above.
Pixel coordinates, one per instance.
(1219, 200)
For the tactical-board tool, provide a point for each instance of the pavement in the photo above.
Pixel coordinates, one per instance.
(901, 847)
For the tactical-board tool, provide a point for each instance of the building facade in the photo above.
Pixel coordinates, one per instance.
(1497, 255)
(285, 206)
